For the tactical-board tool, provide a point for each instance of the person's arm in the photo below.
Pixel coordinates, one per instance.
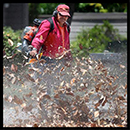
(40, 37)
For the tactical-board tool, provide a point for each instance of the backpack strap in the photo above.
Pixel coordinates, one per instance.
(68, 27)
(51, 24)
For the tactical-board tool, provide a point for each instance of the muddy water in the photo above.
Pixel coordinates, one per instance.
(21, 96)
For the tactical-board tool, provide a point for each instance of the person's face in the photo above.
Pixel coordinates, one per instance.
(61, 18)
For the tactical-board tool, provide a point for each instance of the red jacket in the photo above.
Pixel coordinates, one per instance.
(53, 45)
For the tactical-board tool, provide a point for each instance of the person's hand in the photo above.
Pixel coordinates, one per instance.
(33, 53)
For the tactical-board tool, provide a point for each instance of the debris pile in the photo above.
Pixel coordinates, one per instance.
(83, 93)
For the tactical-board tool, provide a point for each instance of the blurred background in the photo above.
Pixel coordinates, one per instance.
(106, 21)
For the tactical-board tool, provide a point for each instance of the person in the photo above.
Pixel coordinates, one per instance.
(56, 43)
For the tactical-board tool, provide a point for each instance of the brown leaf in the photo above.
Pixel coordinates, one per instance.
(13, 81)
(98, 87)
(30, 70)
(29, 108)
(14, 67)
(119, 126)
(109, 80)
(62, 69)
(10, 42)
(69, 93)
(28, 125)
(115, 79)
(74, 108)
(56, 96)
(110, 83)
(10, 98)
(4, 71)
(23, 105)
(113, 92)
(86, 98)
(96, 114)
(126, 86)
(72, 81)
(37, 81)
(29, 94)
(113, 89)
(62, 83)
(67, 64)
(35, 125)
(121, 97)
(93, 125)
(42, 61)
(85, 109)
(47, 96)
(76, 112)
(122, 66)
(104, 101)
(91, 92)
(63, 110)
(81, 46)
(43, 95)
(40, 106)
(77, 98)
(105, 72)
(112, 77)
(8, 35)
(14, 55)
(4, 52)
(83, 71)
(99, 102)
(28, 77)
(17, 100)
(83, 88)
(68, 89)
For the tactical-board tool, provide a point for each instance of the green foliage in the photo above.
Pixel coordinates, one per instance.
(102, 7)
(33, 11)
(14, 36)
(92, 7)
(36, 9)
(47, 8)
(94, 40)
(115, 7)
